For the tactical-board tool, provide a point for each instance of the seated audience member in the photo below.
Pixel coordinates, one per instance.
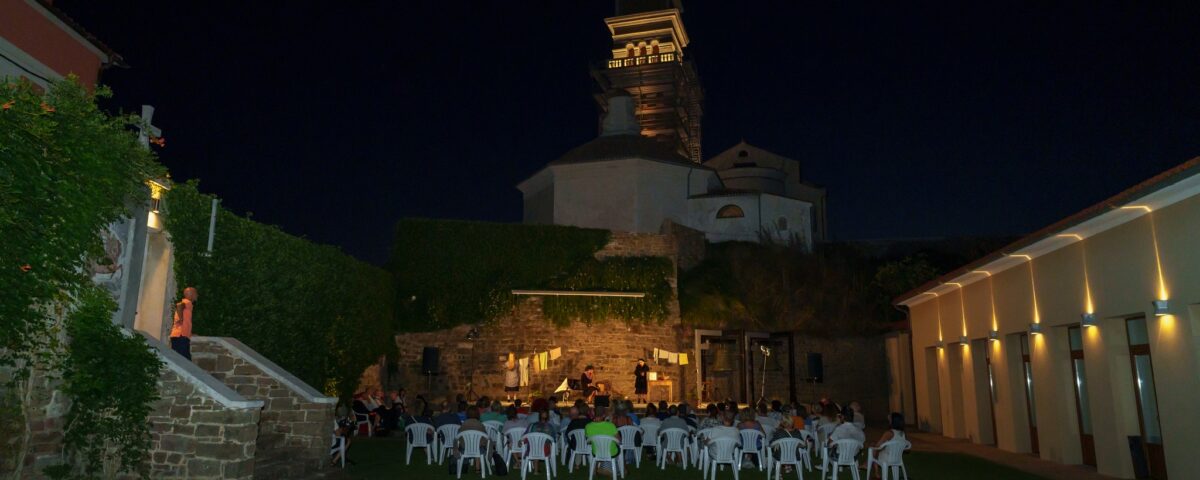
(713, 419)
(602, 426)
(725, 430)
(685, 411)
(826, 420)
(845, 429)
(541, 424)
(859, 420)
(786, 430)
(512, 421)
(651, 417)
(746, 421)
(765, 420)
(662, 411)
(800, 418)
(579, 421)
(674, 420)
(473, 422)
(620, 416)
(445, 417)
(494, 414)
(343, 431)
(521, 409)
(896, 430)
(776, 412)
(461, 410)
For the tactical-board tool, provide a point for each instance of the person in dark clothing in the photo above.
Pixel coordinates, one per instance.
(585, 382)
(446, 417)
(640, 380)
(579, 421)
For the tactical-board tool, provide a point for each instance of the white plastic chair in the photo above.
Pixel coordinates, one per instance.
(722, 451)
(891, 458)
(444, 440)
(601, 452)
(473, 446)
(533, 447)
(629, 434)
(650, 436)
(808, 446)
(339, 444)
(579, 439)
(672, 440)
(512, 441)
(847, 449)
(753, 444)
(494, 436)
(418, 437)
(791, 452)
(364, 418)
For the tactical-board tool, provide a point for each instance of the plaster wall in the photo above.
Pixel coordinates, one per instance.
(1118, 268)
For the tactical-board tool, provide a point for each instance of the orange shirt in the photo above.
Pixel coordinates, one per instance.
(182, 324)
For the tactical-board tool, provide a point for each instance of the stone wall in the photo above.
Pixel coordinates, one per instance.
(198, 434)
(855, 369)
(295, 423)
(44, 424)
(612, 347)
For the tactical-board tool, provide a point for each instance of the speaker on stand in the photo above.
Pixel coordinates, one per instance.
(429, 366)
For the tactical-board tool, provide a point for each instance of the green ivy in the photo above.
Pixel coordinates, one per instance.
(67, 170)
(111, 376)
(457, 272)
(319, 313)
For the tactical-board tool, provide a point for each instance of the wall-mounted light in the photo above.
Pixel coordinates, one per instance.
(939, 343)
(994, 336)
(1160, 307)
(1087, 319)
(1035, 329)
(964, 340)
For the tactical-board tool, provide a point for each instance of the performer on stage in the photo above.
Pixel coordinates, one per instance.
(585, 383)
(640, 384)
(512, 379)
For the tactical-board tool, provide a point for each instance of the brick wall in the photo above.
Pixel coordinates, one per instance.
(295, 423)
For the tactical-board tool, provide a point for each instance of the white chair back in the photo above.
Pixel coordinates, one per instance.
(629, 434)
(787, 449)
(602, 447)
(672, 439)
(473, 442)
(513, 436)
(496, 424)
(534, 446)
(847, 449)
(892, 451)
(722, 450)
(446, 434)
(752, 440)
(650, 434)
(418, 434)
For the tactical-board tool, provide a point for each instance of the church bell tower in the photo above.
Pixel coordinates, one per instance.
(648, 61)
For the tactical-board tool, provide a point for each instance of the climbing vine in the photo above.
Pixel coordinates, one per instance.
(67, 170)
(452, 272)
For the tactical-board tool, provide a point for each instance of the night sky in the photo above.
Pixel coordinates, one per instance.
(333, 120)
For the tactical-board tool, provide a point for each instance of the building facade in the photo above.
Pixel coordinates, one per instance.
(1079, 343)
(41, 44)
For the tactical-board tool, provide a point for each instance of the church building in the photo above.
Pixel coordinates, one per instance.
(645, 169)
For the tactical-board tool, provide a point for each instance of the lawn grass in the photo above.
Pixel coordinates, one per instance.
(383, 458)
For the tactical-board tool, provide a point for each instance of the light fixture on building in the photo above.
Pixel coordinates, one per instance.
(939, 343)
(1035, 329)
(994, 336)
(964, 340)
(1160, 307)
(1088, 319)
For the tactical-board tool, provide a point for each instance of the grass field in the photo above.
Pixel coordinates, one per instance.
(383, 458)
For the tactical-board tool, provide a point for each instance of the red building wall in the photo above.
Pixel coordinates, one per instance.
(47, 40)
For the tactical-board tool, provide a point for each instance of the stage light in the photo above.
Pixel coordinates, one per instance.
(1160, 307)
(1088, 319)
(1035, 329)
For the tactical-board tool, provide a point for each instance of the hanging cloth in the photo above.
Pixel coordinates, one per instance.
(524, 367)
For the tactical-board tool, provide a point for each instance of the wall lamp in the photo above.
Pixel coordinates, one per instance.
(1160, 307)
(1088, 319)
(994, 336)
(964, 340)
(1035, 329)
(939, 343)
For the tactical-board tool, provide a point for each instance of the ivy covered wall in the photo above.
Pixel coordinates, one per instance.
(452, 273)
(317, 312)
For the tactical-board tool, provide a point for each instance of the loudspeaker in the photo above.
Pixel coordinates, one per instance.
(429, 361)
(816, 368)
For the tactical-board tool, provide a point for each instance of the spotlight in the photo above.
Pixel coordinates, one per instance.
(994, 336)
(940, 344)
(964, 340)
(1160, 307)
(1035, 329)
(1088, 320)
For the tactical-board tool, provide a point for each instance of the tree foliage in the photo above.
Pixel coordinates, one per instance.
(833, 290)
(319, 313)
(456, 272)
(67, 170)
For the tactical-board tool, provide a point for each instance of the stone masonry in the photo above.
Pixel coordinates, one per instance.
(295, 423)
(612, 347)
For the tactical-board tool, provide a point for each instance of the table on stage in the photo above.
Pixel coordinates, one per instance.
(668, 384)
